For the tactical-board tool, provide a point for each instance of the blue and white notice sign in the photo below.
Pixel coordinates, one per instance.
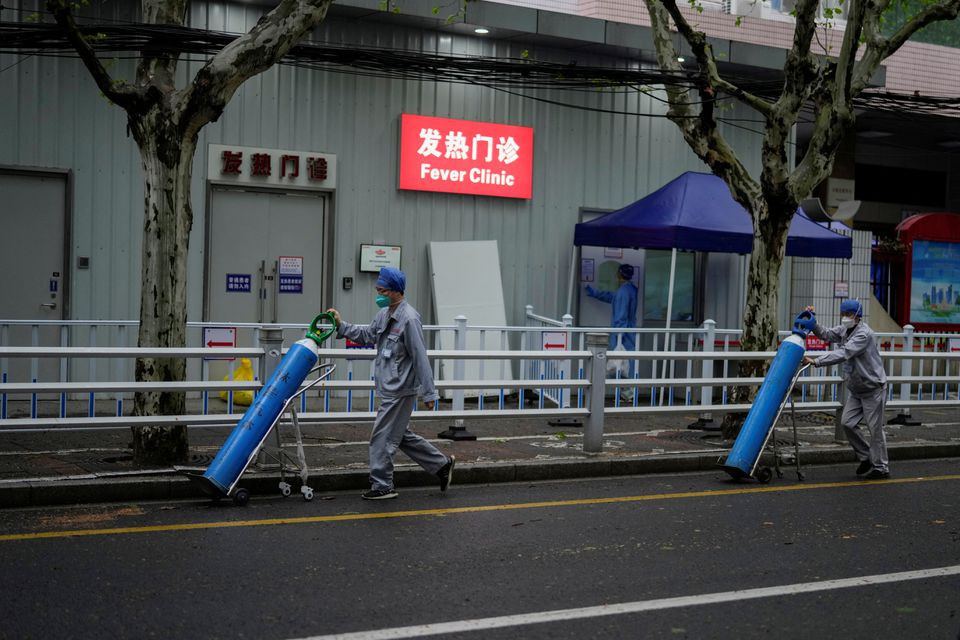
(291, 274)
(238, 282)
(291, 284)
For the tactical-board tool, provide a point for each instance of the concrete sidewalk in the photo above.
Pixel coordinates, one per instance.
(67, 467)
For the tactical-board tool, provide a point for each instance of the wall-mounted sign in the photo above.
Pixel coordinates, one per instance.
(839, 190)
(291, 265)
(290, 284)
(841, 289)
(586, 270)
(233, 164)
(374, 257)
(463, 156)
(238, 283)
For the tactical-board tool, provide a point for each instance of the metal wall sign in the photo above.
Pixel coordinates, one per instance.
(463, 156)
(374, 257)
(255, 166)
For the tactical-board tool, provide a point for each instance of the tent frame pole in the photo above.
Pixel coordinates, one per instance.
(666, 335)
(574, 261)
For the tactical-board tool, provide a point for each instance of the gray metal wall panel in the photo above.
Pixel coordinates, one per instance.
(582, 158)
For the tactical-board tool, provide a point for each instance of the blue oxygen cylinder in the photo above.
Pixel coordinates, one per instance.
(766, 407)
(245, 439)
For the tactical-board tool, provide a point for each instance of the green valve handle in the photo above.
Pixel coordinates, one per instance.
(319, 338)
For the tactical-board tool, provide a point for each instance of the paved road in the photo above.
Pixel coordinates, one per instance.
(652, 557)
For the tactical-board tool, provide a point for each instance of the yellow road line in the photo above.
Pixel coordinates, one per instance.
(453, 510)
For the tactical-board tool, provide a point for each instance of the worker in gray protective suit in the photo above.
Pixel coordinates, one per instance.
(865, 380)
(401, 373)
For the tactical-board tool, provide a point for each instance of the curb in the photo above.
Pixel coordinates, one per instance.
(176, 487)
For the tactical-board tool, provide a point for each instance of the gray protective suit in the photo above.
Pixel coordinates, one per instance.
(865, 380)
(401, 373)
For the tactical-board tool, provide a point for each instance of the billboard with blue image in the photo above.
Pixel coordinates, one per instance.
(935, 282)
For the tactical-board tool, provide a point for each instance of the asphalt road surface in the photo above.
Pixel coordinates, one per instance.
(671, 556)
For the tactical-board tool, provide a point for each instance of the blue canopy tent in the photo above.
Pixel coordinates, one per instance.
(696, 212)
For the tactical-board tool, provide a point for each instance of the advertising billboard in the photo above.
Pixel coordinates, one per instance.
(935, 282)
(931, 300)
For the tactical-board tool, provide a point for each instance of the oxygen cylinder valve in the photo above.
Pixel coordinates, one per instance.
(804, 323)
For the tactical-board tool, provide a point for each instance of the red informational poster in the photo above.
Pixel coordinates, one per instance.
(463, 156)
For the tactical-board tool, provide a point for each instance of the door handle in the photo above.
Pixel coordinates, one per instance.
(49, 305)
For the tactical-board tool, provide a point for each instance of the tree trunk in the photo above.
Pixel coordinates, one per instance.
(760, 312)
(168, 217)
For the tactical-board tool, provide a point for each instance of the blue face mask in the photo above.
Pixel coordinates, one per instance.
(383, 301)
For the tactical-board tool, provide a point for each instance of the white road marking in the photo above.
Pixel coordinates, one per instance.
(559, 615)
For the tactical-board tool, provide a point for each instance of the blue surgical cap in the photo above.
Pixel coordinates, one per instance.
(851, 306)
(392, 279)
(626, 271)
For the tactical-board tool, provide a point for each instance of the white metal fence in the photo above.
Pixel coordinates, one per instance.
(695, 374)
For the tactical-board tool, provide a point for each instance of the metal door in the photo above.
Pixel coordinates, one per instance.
(265, 257)
(33, 247)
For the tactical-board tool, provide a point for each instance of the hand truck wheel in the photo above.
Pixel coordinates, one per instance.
(241, 497)
(764, 475)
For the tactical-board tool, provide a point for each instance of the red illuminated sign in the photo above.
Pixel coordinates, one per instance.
(462, 156)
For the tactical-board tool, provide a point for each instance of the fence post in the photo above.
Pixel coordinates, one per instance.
(458, 431)
(271, 341)
(528, 368)
(566, 366)
(906, 370)
(706, 371)
(597, 344)
(839, 435)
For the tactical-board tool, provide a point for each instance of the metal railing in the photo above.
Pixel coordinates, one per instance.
(587, 390)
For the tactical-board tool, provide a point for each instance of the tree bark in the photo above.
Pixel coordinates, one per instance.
(168, 217)
(165, 122)
(763, 295)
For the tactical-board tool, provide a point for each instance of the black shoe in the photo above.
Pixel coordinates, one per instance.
(876, 474)
(446, 473)
(379, 494)
(864, 467)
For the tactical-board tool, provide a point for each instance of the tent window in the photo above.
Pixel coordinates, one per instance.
(656, 279)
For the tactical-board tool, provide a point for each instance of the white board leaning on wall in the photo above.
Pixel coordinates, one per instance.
(452, 264)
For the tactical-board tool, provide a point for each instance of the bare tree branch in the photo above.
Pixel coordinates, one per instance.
(157, 67)
(708, 64)
(272, 37)
(699, 129)
(856, 16)
(119, 93)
